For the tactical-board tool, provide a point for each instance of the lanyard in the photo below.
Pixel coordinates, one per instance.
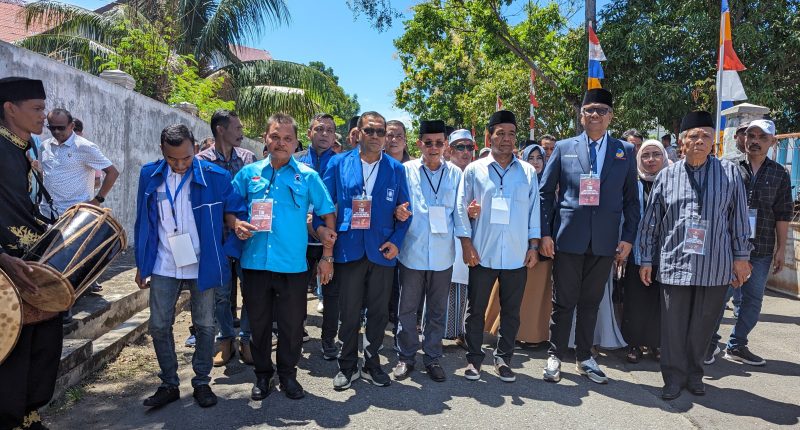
(364, 186)
(171, 198)
(593, 162)
(752, 182)
(271, 181)
(439, 185)
(505, 172)
(699, 189)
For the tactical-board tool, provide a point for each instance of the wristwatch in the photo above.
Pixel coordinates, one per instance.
(100, 198)
(533, 247)
(327, 258)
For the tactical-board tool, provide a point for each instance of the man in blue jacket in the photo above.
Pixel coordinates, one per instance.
(595, 177)
(183, 204)
(366, 187)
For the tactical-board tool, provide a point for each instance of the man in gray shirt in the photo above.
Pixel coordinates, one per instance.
(695, 230)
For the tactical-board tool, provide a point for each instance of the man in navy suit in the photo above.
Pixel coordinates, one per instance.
(594, 176)
(366, 186)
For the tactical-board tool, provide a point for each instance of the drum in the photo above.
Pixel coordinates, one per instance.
(70, 256)
(10, 316)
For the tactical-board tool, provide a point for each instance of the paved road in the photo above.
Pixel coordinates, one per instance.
(739, 396)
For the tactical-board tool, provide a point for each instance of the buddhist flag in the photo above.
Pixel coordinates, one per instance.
(729, 87)
(534, 105)
(596, 55)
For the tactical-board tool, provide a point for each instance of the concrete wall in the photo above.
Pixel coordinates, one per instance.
(125, 124)
(787, 281)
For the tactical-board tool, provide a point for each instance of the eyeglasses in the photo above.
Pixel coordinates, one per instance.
(381, 132)
(652, 155)
(463, 147)
(56, 127)
(321, 130)
(599, 111)
(431, 144)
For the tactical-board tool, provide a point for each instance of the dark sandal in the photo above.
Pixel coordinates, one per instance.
(634, 354)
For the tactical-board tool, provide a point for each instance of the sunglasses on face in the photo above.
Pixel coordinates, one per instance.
(56, 127)
(381, 132)
(599, 111)
(463, 147)
(431, 144)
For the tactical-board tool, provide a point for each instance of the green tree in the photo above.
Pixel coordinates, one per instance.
(344, 109)
(206, 29)
(662, 58)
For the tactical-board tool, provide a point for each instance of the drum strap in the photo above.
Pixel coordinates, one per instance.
(43, 193)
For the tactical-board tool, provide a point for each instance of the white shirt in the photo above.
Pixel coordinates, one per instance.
(165, 262)
(602, 144)
(68, 171)
(370, 171)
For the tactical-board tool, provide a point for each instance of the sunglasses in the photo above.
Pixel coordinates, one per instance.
(380, 132)
(56, 127)
(431, 144)
(599, 111)
(463, 147)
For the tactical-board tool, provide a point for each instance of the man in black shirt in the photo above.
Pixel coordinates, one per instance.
(28, 375)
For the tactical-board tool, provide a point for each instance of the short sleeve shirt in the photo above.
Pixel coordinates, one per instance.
(68, 170)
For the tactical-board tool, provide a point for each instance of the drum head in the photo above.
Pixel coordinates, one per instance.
(10, 316)
(55, 293)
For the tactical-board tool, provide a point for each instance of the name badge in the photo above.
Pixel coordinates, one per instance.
(438, 222)
(695, 241)
(589, 194)
(389, 194)
(362, 213)
(501, 212)
(752, 215)
(182, 250)
(261, 214)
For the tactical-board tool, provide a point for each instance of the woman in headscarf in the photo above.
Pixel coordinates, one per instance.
(537, 301)
(641, 315)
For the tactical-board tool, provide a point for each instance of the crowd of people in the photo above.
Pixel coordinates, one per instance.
(575, 243)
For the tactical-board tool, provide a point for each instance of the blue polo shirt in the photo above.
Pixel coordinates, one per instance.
(294, 188)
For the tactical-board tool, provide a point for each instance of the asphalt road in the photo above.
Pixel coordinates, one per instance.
(739, 396)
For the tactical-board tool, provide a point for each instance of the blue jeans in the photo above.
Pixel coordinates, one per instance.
(163, 297)
(750, 308)
(223, 315)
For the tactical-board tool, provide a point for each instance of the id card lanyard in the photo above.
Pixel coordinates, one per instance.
(171, 198)
(436, 212)
(699, 189)
(366, 179)
(439, 185)
(501, 209)
(752, 211)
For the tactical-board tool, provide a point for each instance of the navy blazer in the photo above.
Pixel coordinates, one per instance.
(574, 227)
(344, 180)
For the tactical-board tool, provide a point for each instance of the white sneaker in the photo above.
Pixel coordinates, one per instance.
(320, 307)
(591, 369)
(552, 372)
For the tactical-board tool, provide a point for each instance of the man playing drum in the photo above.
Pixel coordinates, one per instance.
(28, 374)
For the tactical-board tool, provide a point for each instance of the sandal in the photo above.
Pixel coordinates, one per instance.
(634, 354)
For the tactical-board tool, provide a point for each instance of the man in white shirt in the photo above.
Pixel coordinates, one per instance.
(68, 166)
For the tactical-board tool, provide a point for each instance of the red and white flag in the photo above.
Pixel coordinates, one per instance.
(534, 105)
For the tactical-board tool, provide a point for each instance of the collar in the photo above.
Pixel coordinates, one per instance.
(600, 142)
(490, 159)
(69, 142)
(13, 138)
(292, 163)
(198, 177)
(221, 157)
(364, 162)
(442, 166)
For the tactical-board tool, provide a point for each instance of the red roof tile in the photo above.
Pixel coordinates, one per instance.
(249, 54)
(12, 22)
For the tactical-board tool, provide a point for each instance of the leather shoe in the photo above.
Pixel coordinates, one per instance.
(262, 388)
(292, 388)
(670, 392)
(204, 396)
(163, 396)
(436, 372)
(696, 388)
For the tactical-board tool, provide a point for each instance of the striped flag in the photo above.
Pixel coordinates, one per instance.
(534, 105)
(729, 86)
(596, 55)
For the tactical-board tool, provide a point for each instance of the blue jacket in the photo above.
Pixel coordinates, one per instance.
(212, 196)
(574, 227)
(344, 180)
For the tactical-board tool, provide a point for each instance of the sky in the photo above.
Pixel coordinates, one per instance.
(326, 30)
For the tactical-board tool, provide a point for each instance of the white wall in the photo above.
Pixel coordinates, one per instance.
(125, 124)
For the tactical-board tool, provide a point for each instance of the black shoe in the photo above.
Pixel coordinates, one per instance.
(670, 392)
(163, 396)
(262, 388)
(376, 376)
(204, 396)
(436, 372)
(743, 355)
(306, 336)
(329, 349)
(696, 388)
(291, 388)
(237, 323)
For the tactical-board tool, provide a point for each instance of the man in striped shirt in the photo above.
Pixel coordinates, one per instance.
(695, 229)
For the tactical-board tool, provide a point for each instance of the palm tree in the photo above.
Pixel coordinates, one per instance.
(207, 29)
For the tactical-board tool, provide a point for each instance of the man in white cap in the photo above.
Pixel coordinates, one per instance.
(769, 202)
(461, 148)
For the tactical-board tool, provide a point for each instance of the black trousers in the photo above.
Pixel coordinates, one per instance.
(234, 284)
(641, 310)
(313, 255)
(28, 375)
(579, 282)
(361, 281)
(265, 292)
(688, 320)
(512, 287)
